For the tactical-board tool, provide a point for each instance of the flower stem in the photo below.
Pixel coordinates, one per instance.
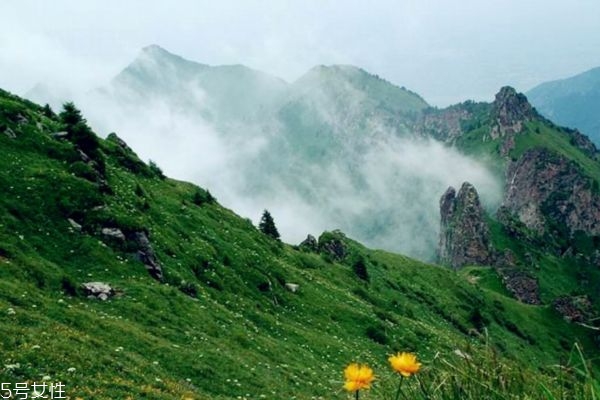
(356, 395)
(399, 388)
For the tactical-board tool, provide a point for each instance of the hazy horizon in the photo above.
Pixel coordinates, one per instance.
(445, 52)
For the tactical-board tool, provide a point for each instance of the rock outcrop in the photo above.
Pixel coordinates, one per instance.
(464, 234)
(332, 244)
(574, 309)
(145, 253)
(310, 244)
(114, 233)
(521, 285)
(546, 190)
(509, 111)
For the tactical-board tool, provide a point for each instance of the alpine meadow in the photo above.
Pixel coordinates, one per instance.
(185, 230)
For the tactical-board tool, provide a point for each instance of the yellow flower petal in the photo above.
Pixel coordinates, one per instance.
(358, 377)
(405, 363)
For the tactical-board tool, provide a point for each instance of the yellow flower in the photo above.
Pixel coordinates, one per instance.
(358, 377)
(405, 364)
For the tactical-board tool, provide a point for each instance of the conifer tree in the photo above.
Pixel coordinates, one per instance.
(267, 225)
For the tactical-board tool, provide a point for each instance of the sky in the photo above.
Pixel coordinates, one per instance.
(447, 51)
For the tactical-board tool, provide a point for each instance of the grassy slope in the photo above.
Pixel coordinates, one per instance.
(242, 335)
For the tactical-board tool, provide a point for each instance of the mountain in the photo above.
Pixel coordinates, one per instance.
(545, 235)
(120, 282)
(336, 149)
(218, 93)
(572, 102)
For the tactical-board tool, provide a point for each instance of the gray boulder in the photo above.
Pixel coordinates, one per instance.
(98, 290)
(114, 233)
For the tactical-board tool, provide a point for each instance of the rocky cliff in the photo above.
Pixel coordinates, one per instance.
(547, 191)
(464, 234)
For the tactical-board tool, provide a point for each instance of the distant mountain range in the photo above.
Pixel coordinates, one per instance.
(337, 148)
(573, 102)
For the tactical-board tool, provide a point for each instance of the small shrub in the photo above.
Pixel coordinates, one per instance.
(155, 169)
(189, 288)
(360, 269)
(377, 334)
(202, 197)
(68, 286)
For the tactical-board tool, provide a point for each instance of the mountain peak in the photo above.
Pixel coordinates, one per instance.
(510, 109)
(508, 96)
(154, 51)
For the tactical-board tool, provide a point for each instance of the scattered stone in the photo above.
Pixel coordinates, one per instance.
(464, 234)
(98, 290)
(292, 287)
(574, 309)
(60, 135)
(21, 119)
(10, 311)
(84, 157)
(521, 285)
(462, 354)
(114, 233)
(74, 224)
(506, 260)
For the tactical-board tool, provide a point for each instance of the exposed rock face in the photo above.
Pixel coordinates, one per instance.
(146, 255)
(444, 125)
(98, 290)
(122, 144)
(309, 244)
(464, 235)
(333, 245)
(544, 187)
(574, 309)
(583, 143)
(523, 287)
(509, 111)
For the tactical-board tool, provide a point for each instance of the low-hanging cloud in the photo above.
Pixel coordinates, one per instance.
(381, 188)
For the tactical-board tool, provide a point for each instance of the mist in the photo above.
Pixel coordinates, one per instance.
(386, 197)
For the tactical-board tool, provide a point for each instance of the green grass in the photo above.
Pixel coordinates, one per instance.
(240, 334)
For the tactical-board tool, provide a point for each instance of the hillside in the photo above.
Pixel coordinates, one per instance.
(201, 304)
(573, 102)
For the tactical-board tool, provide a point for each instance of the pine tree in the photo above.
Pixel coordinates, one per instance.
(80, 134)
(70, 115)
(360, 269)
(267, 225)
